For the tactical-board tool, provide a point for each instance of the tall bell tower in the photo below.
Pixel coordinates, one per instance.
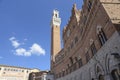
(55, 36)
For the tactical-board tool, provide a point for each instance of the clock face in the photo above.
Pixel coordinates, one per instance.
(57, 21)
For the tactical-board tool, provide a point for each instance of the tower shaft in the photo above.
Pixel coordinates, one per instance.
(55, 36)
(55, 40)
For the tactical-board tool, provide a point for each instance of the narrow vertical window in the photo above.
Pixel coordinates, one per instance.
(80, 63)
(63, 73)
(87, 57)
(72, 44)
(102, 37)
(84, 20)
(66, 71)
(89, 5)
(68, 65)
(76, 59)
(76, 39)
(71, 60)
(93, 49)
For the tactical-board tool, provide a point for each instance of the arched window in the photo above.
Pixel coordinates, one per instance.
(101, 35)
(115, 75)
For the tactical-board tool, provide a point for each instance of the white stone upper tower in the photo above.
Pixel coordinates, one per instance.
(56, 20)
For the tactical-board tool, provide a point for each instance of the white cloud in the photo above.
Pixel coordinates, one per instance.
(37, 49)
(34, 50)
(14, 42)
(22, 52)
(12, 38)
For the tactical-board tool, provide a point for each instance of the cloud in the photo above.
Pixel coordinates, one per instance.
(14, 42)
(37, 49)
(34, 50)
(22, 52)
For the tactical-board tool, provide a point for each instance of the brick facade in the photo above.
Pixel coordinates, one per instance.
(91, 41)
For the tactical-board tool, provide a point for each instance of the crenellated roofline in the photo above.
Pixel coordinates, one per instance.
(75, 13)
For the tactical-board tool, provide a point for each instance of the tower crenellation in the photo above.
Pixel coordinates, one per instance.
(56, 20)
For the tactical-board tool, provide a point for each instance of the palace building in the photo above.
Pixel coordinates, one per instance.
(15, 73)
(91, 49)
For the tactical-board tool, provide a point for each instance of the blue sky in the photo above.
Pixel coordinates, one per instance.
(25, 30)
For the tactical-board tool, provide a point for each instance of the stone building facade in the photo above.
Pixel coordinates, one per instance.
(42, 75)
(14, 73)
(91, 43)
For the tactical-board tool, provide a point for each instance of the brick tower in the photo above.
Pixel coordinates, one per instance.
(55, 36)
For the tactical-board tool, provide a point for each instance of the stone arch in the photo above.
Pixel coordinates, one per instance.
(115, 74)
(111, 63)
(99, 71)
(112, 66)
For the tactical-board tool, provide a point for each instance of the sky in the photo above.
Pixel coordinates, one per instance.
(25, 31)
